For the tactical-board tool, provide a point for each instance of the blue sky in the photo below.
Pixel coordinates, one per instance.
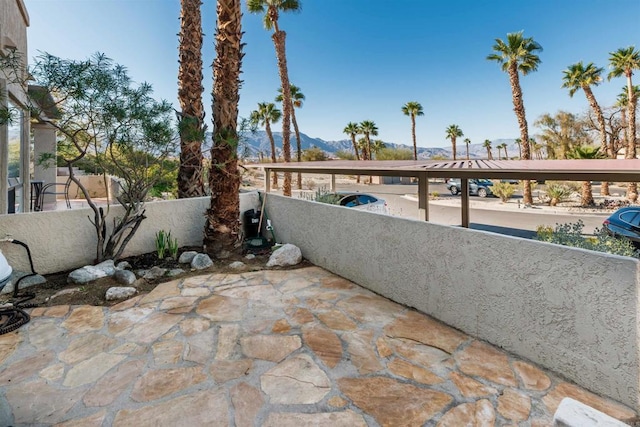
(364, 59)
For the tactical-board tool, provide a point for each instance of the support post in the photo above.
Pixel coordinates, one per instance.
(464, 188)
(423, 195)
(333, 183)
(267, 180)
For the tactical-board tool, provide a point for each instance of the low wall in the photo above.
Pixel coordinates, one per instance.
(570, 310)
(64, 240)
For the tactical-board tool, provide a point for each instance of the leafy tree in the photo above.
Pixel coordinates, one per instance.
(487, 146)
(266, 114)
(454, 132)
(271, 10)
(467, 141)
(518, 55)
(191, 119)
(394, 154)
(314, 154)
(345, 155)
(102, 112)
(353, 129)
(623, 62)
(561, 133)
(297, 98)
(413, 109)
(222, 225)
(368, 129)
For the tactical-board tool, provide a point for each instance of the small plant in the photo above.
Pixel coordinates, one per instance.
(173, 246)
(161, 244)
(323, 196)
(435, 194)
(504, 190)
(309, 183)
(557, 193)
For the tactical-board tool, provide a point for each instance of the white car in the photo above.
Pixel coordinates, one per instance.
(363, 201)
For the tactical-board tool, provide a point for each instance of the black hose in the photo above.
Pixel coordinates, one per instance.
(11, 318)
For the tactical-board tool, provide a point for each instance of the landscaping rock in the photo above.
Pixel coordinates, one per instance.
(155, 273)
(89, 273)
(175, 272)
(285, 255)
(250, 256)
(125, 277)
(29, 281)
(201, 261)
(237, 265)
(123, 265)
(119, 292)
(63, 292)
(187, 257)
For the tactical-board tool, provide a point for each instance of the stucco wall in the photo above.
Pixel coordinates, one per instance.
(64, 240)
(14, 21)
(570, 310)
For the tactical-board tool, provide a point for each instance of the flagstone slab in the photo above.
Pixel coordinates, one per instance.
(203, 408)
(418, 327)
(412, 372)
(90, 370)
(476, 414)
(336, 320)
(469, 387)
(335, 282)
(199, 348)
(107, 389)
(155, 325)
(371, 308)
(264, 293)
(514, 405)
(37, 402)
(227, 340)
(270, 347)
(84, 319)
(421, 354)
(25, 368)
(393, 403)
(53, 372)
(247, 402)
(324, 343)
(383, 348)
(45, 333)
(85, 347)
(162, 291)
(167, 352)
(177, 303)
(195, 292)
(484, 361)
(164, 382)
(337, 402)
(94, 420)
(362, 352)
(533, 378)
(554, 397)
(281, 326)
(292, 285)
(57, 311)
(8, 344)
(299, 316)
(219, 308)
(193, 326)
(127, 304)
(297, 380)
(325, 419)
(121, 320)
(226, 370)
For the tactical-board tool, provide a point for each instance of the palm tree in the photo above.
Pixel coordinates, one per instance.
(368, 128)
(376, 146)
(500, 147)
(487, 145)
(518, 142)
(266, 114)
(221, 229)
(190, 119)
(353, 129)
(622, 101)
(518, 55)
(272, 9)
(623, 61)
(413, 109)
(453, 132)
(296, 98)
(586, 152)
(467, 141)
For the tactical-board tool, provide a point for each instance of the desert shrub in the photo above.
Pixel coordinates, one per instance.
(573, 186)
(309, 183)
(323, 196)
(435, 194)
(394, 154)
(504, 190)
(313, 154)
(557, 193)
(570, 234)
(345, 155)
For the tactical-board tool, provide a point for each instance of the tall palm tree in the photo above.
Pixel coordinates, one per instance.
(265, 115)
(368, 128)
(487, 145)
(518, 55)
(467, 141)
(413, 109)
(622, 62)
(272, 9)
(454, 132)
(586, 152)
(221, 229)
(500, 147)
(622, 101)
(376, 146)
(519, 144)
(191, 119)
(297, 98)
(353, 129)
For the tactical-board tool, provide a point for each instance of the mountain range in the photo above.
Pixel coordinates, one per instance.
(252, 143)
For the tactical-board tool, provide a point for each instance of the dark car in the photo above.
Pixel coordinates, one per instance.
(477, 187)
(625, 222)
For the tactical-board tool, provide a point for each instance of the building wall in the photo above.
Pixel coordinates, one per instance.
(570, 310)
(14, 21)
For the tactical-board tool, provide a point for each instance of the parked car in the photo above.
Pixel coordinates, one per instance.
(477, 187)
(625, 222)
(363, 201)
(510, 181)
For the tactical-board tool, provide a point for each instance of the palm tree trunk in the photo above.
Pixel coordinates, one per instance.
(632, 188)
(190, 177)
(467, 150)
(279, 38)
(518, 107)
(413, 135)
(298, 145)
(355, 146)
(587, 194)
(267, 127)
(222, 226)
(604, 187)
(453, 147)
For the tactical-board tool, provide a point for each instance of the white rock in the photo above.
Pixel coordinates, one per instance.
(125, 277)
(123, 265)
(89, 273)
(285, 255)
(201, 261)
(155, 273)
(120, 292)
(250, 256)
(571, 413)
(187, 257)
(175, 272)
(237, 265)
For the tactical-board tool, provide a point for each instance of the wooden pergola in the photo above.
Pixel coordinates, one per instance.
(612, 170)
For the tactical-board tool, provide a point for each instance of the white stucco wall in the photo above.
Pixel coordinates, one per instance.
(64, 240)
(569, 310)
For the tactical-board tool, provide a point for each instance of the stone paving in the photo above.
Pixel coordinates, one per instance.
(269, 348)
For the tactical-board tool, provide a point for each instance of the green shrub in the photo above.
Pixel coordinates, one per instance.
(394, 154)
(504, 190)
(570, 234)
(557, 193)
(435, 194)
(345, 155)
(313, 154)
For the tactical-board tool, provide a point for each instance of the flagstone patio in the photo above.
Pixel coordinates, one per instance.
(272, 348)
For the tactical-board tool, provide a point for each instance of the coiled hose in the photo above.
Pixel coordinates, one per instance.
(11, 318)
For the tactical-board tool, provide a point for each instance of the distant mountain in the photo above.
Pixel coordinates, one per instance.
(255, 142)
